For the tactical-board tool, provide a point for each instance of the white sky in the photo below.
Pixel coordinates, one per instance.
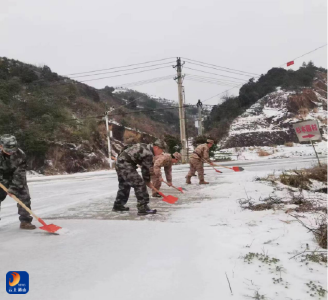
(78, 35)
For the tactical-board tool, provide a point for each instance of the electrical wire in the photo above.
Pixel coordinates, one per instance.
(211, 78)
(213, 73)
(146, 81)
(192, 60)
(124, 74)
(147, 62)
(305, 54)
(209, 82)
(169, 63)
(214, 68)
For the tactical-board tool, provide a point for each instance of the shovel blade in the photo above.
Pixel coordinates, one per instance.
(237, 169)
(52, 228)
(180, 189)
(170, 199)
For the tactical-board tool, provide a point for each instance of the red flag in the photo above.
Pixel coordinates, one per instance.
(290, 63)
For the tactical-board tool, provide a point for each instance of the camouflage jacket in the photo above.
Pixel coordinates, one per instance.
(13, 171)
(202, 152)
(139, 154)
(165, 161)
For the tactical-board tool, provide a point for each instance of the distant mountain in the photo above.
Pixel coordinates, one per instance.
(58, 121)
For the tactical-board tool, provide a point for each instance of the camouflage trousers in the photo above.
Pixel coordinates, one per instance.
(24, 196)
(196, 165)
(156, 182)
(128, 177)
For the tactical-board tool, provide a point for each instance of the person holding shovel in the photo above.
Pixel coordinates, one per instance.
(126, 168)
(197, 159)
(166, 161)
(13, 177)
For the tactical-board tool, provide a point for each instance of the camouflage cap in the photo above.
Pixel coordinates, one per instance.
(8, 143)
(209, 141)
(177, 156)
(161, 144)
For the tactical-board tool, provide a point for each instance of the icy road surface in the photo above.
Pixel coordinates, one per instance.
(186, 251)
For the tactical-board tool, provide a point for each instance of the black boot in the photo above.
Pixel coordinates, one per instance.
(156, 195)
(142, 211)
(120, 208)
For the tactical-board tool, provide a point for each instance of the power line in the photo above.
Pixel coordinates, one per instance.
(209, 82)
(146, 81)
(223, 92)
(213, 73)
(124, 74)
(170, 63)
(218, 66)
(147, 62)
(306, 54)
(210, 78)
(214, 68)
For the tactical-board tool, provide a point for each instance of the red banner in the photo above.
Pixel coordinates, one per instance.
(290, 63)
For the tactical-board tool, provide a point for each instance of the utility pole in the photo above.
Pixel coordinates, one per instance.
(200, 124)
(181, 111)
(109, 135)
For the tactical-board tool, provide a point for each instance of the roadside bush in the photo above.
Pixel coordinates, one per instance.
(173, 143)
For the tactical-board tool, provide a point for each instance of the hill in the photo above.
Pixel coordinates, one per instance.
(59, 121)
(265, 109)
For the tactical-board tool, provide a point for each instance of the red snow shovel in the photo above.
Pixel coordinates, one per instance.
(236, 169)
(169, 199)
(50, 228)
(180, 189)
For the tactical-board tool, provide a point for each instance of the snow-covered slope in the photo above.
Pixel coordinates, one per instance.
(269, 121)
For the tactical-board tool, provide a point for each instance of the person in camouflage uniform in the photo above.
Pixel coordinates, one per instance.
(126, 168)
(197, 159)
(13, 177)
(166, 161)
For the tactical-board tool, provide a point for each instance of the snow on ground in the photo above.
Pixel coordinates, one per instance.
(187, 251)
(279, 151)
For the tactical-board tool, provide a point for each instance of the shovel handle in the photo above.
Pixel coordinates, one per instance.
(172, 186)
(223, 167)
(20, 203)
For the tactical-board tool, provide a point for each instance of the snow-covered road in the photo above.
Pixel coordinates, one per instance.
(184, 252)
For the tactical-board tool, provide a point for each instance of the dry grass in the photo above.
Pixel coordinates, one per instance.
(261, 152)
(301, 178)
(321, 232)
(317, 173)
(295, 180)
(289, 144)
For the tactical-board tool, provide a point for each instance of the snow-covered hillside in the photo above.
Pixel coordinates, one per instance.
(269, 121)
